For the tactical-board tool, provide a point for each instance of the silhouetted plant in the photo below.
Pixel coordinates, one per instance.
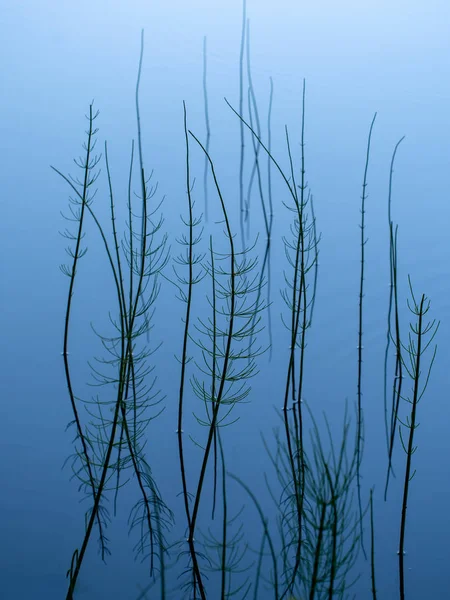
(227, 360)
(111, 446)
(393, 304)
(298, 252)
(360, 423)
(414, 350)
(310, 543)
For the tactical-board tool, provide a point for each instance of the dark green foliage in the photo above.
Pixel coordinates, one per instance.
(311, 538)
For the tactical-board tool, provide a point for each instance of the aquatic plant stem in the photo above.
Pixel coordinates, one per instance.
(227, 354)
(241, 125)
(184, 360)
(398, 376)
(393, 300)
(359, 425)
(88, 166)
(297, 303)
(415, 351)
(208, 130)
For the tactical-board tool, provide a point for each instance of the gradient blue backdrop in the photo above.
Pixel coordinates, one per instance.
(386, 56)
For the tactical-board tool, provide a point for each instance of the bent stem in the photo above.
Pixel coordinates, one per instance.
(123, 432)
(393, 301)
(231, 324)
(295, 297)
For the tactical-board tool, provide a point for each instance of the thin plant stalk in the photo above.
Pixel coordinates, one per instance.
(208, 130)
(242, 207)
(359, 425)
(393, 302)
(415, 349)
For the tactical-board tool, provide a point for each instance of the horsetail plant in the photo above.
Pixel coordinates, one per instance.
(360, 422)
(243, 208)
(417, 346)
(393, 305)
(208, 129)
(398, 373)
(226, 550)
(330, 521)
(126, 370)
(226, 359)
(296, 298)
(122, 433)
(268, 218)
(317, 491)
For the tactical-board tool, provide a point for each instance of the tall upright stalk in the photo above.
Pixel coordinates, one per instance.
(398, 373)
(242, 202)
(415, 349)
(208, 130)
(125, 369)
(393, 304)
(232, 322)
(88, 166)
(295, 296)
(359, 425)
